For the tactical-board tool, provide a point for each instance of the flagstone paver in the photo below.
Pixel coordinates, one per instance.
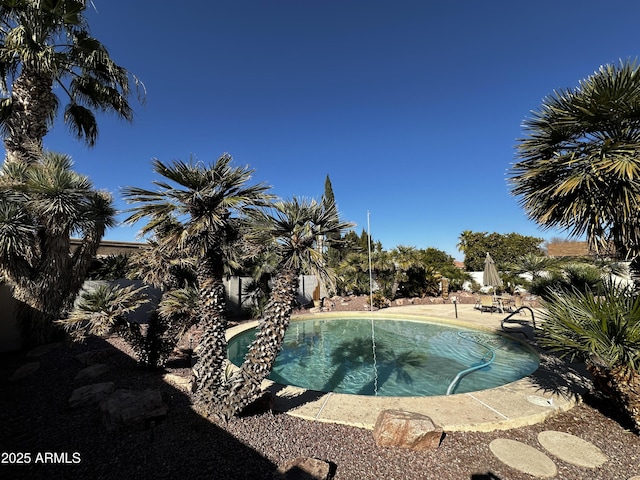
(523, 457)
(572, 449)
(24, 371)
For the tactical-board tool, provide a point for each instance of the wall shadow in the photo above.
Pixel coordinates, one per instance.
(36, 418)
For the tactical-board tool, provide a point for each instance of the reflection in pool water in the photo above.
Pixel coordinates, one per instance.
(410, 358)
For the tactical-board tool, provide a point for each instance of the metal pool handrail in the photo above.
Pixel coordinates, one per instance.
(491, 351)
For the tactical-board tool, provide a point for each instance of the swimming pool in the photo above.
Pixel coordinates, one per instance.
(402, 357)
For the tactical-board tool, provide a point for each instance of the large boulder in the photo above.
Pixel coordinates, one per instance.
(396, 428)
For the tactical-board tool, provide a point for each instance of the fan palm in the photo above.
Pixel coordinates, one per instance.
(44, 45)
(104, 310)
(204, 204)
(603, 330)
(41, 206)
(296, 226)
(579, 166)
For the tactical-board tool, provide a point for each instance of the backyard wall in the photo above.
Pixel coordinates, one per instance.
(236, 302)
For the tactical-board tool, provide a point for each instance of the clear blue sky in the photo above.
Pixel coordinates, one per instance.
(413, 108)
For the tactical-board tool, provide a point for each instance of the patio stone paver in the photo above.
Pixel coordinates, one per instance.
(572, 449)
(523, 457)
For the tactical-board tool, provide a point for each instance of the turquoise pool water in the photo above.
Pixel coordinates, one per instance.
(410, 358)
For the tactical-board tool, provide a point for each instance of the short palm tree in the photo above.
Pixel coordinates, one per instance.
(604, 331)
(406, 259)
(46, 46)
(104, 310)
(205, 205)
(41, 206)
(353, 274)
(579, 165)
(534, 265)
(295, 226)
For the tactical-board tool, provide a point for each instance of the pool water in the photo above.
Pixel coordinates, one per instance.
(410, 358)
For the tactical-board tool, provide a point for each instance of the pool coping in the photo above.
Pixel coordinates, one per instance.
(554, 387)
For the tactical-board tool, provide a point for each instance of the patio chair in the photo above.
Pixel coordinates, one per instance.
(486, 303)
(477, 305)
(518, 302)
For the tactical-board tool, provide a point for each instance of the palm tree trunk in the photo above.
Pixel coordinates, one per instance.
(622, 385)
(245, 384)
(43, 295)
(209, 371)
(32, 106)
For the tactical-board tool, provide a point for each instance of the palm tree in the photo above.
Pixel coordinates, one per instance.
(579, 166)
(603, 330)
(295, 226)
(45, 45)
(579, 170)
(406, 260)
(204, 204)
(353, 275)
(105, 309)
(534, 265)
(41, 206)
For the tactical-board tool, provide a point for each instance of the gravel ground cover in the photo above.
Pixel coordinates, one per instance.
(35, 418)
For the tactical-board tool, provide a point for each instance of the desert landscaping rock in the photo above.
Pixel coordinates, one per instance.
(42, 350)
(24, 371)
(92, 371)
(396, 428)
(94, 356)
(572, 449)
(304, 468)
(132, 407)
(524, 458)
(178, 381)
(90, 394)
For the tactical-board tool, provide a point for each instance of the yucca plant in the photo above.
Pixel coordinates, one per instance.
(603, 330)
(42, 205)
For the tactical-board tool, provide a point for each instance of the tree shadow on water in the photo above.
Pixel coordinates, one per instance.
(359, 352)
(36, 418)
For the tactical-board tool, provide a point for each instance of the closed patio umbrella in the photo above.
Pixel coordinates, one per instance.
(490, 276)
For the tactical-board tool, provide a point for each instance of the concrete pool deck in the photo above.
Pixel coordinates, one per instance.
(554, 387)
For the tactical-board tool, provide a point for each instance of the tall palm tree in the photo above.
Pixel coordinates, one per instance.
(295, 226)
(45, 45)
(579, 169)
(205, 205)
(41, 206)
(579, 165)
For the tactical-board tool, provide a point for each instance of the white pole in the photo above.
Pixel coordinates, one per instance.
(373, 334)
(370, 274)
